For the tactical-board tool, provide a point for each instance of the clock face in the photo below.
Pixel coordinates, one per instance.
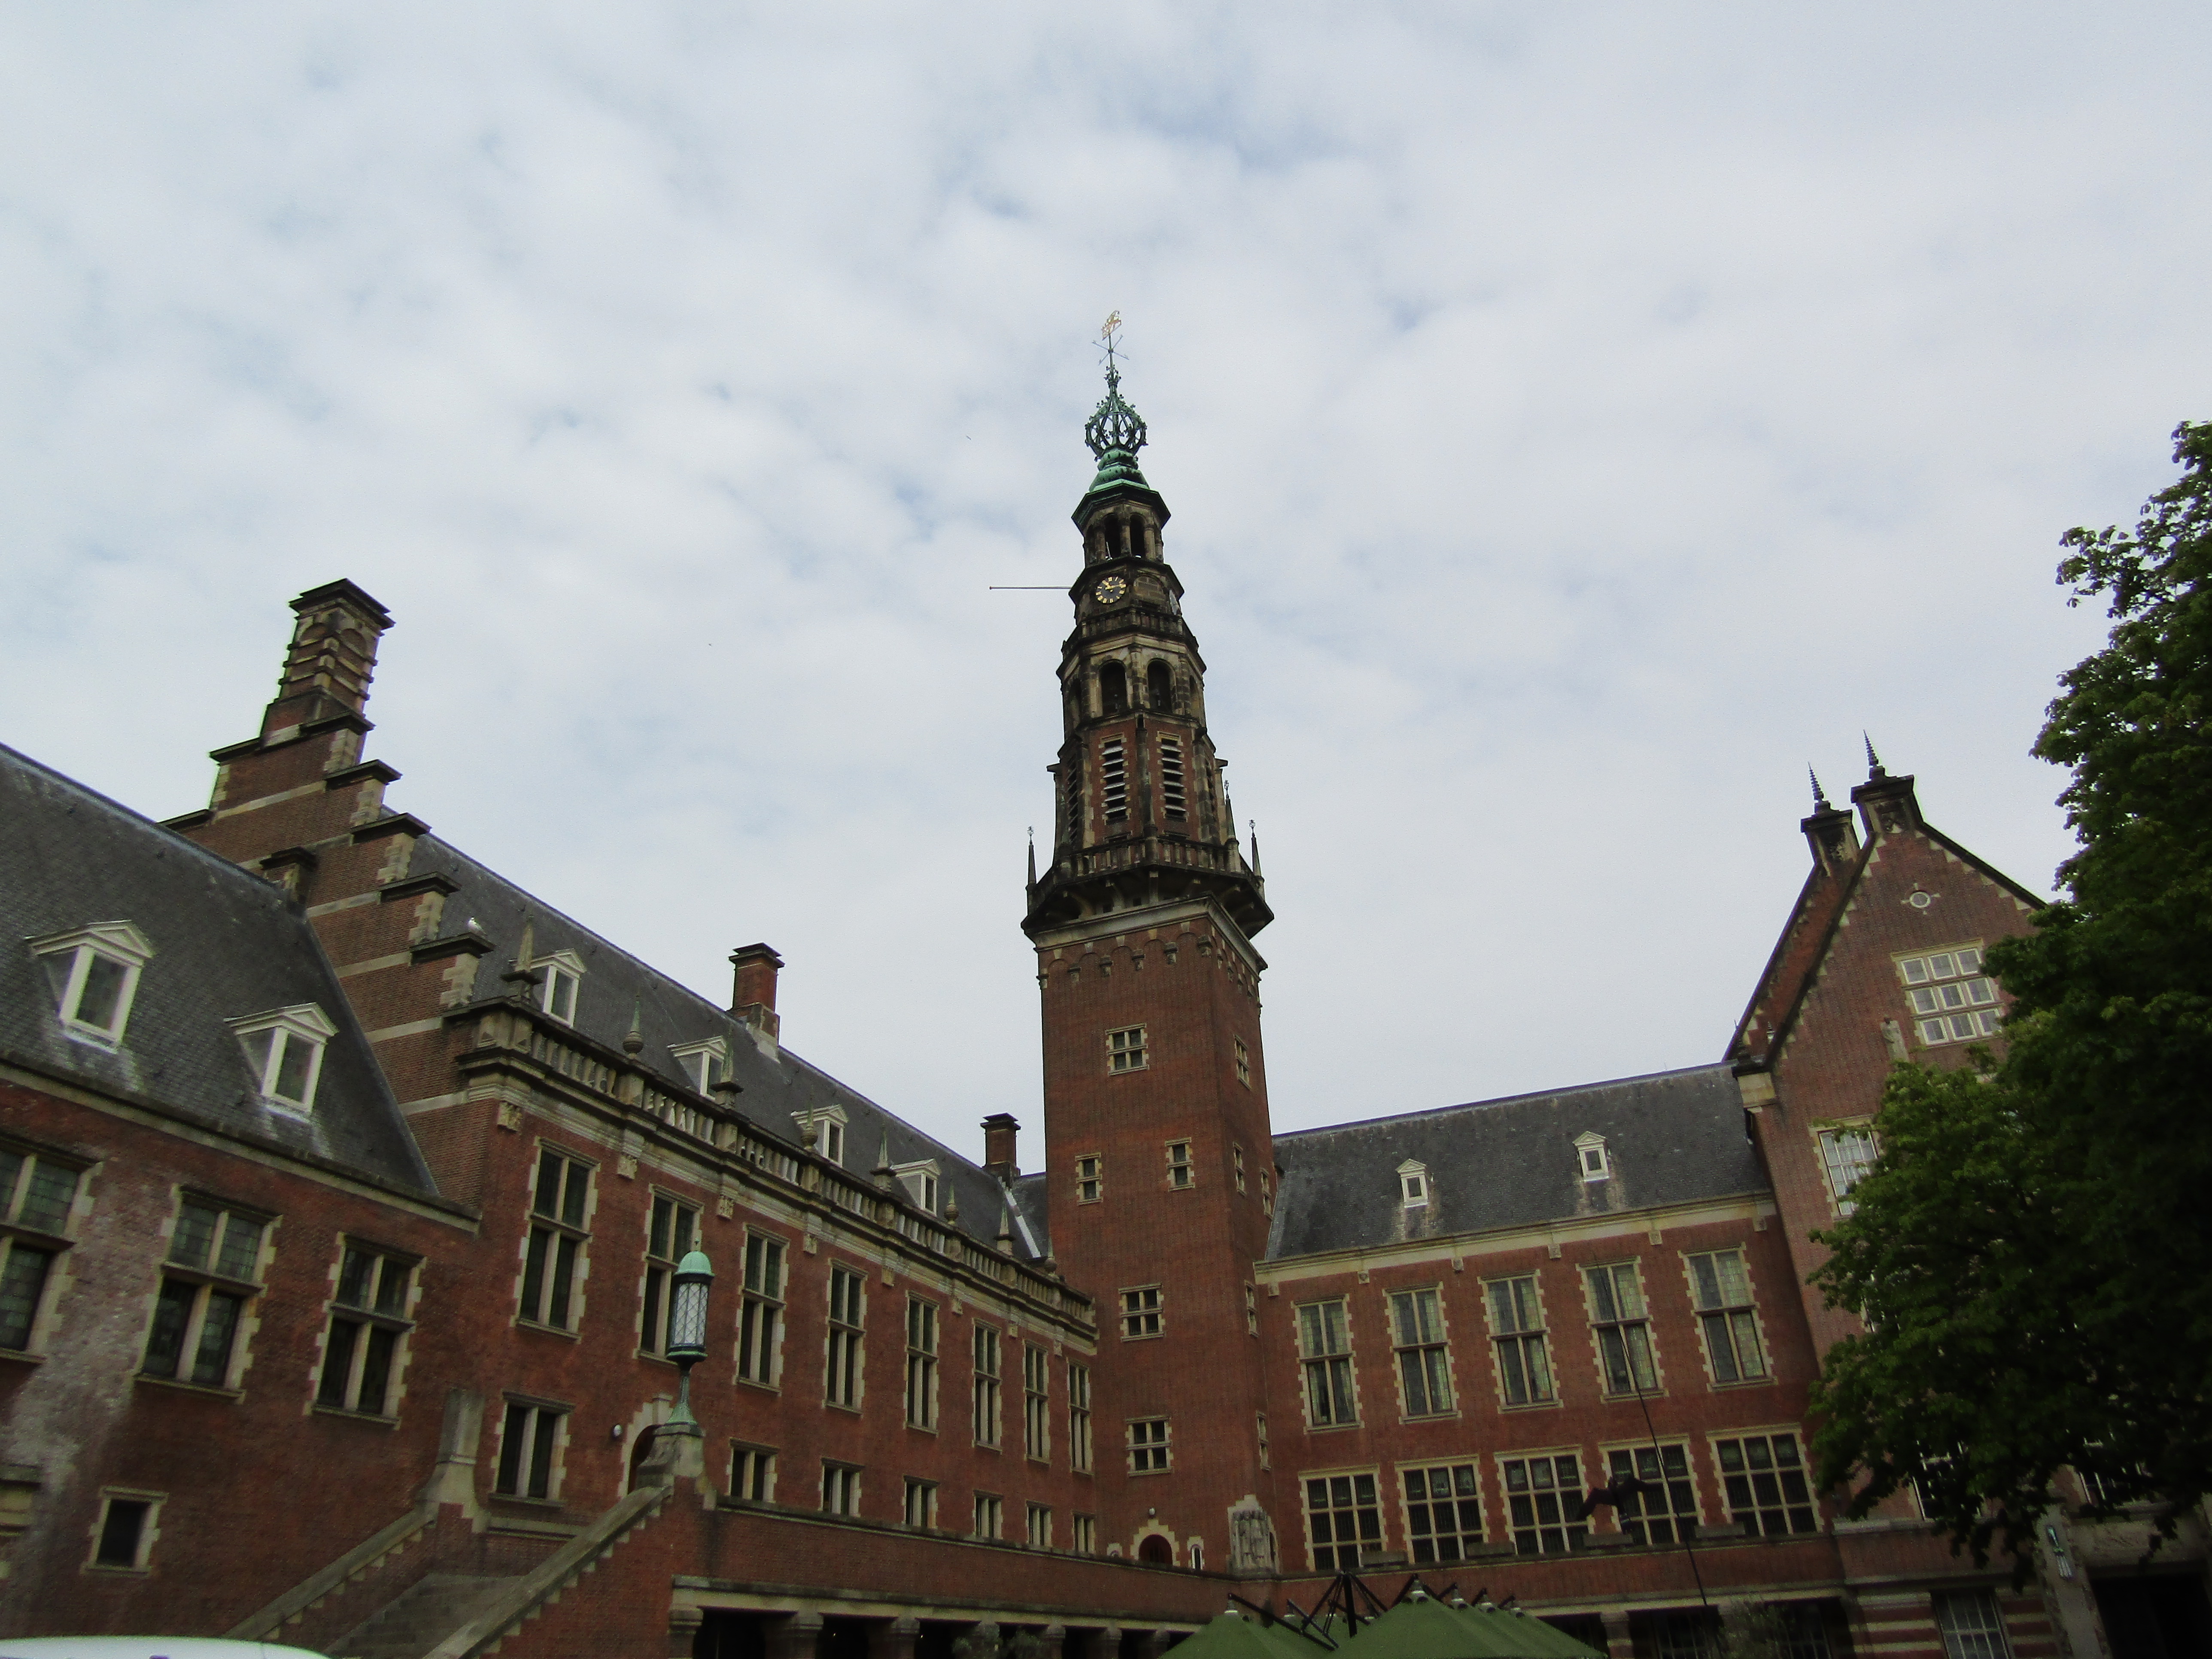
(1112, 591)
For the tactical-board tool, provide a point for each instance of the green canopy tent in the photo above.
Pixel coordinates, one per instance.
(1233, 1636)
(1422, 1627)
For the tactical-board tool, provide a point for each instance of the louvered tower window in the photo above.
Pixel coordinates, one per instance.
(1171, 787)
(1116, 776)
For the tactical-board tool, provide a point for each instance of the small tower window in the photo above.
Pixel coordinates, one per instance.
(1114, 773)
(557, 994)
(1114, 689)
(1590, 1155)
(705, 1063)
(1171, 784)
(1413, 1184)
(1159, 686)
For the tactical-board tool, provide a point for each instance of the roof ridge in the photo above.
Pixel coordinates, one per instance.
(1505, 1100)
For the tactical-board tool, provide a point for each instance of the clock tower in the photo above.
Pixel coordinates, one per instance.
(1159, 1158)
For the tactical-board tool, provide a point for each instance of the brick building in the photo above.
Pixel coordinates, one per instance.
(346, 1184)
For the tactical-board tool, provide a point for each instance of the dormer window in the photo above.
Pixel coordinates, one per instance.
(920, 1179)
(557, 994)
(823, 1129)
(706, 1063)
(1413, 1184)
(284, 1047)
(93, 974)
(1590, 1155)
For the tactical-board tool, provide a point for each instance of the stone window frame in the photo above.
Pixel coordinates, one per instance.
(302, 1025)
(841, 1487)
(1038, 1526)
(1332, 1366)
(918, 1505)
(664, 1252)
(1625, 1326)
(1242, 1056)
(1739, 1435)
(1636, 1449)
(1415, 1187)
(1833, 1160)
(32, 1239)
(562, 1224)
(1036, 1403)
(844, 1343)
(149, 1531)
(924, 1340)
(1148, 1453)
(1237, 1165)
(1521, 1336)
(1349, 1504)
(563, 985)
(712, 1054)
(1132, 1051)
(822, 1130)
(1979, 1006)
(1089, 1177)
(1181, 1172)
(1148, 1309)
(1426, 1467)
(922, 1181)
(208, 1281)
(121, 944)
(1440, 1343)
(988, 1351)
(1986, 1638)
(1083, 1534)
(762, 1309)
(1592, 1157)
(989, 1514)
(1079, 1449)
(537, 1418)
(752, 1472)
(370, 1316)
(1566, 1528)
(1730, 1313)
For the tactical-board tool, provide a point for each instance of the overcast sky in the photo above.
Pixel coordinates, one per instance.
(1576, 419)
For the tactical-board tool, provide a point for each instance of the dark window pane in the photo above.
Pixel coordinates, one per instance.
(337, 1362)
(511, 1448)
(120, 1532)
(292, 1070)
(355, 1274)
(241, 1248)
(549, 1183)
(572, 1201)
(165, 1345)
(195, 1235)
(564, 1277)
(20, 1287)
(211, 1364)
(533, 1273)
(376, 1370)
(47, 1203)
(103, 990)
(541, 1455)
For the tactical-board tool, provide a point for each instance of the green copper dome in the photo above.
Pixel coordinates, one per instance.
(1115, 432)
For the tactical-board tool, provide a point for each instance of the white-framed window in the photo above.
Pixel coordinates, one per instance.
(821, 1129)
(1325, 1348)
(560, 1216)
(1972, 1626)
(705, 1063)
(1667, 1512)
(1141, 1313)
(848, 1305)
(1036, 1403)
(1174, 795)
(987, 1344)
(1114, 776)
(1591, 1157)
(672, 1234)
(1623, 1328)
(94, 974)
(1125, 1049)
(990, 1515)
(919, 1178)
(1179, 1166)
(1413, 1184)
(760, 1318)
(1721, 1290)
(1762, 1477)
(919, 1507)
(1251, 1311)
(1260, 1432)
(284, 1050)
(920, 1364)
(1517, 1327)
(123, 1536)
(1079, 1418)
(1443, 1512)
(563, 972)
(37, 1195)
(1417, 1329)
(1540, 1493)
(211, 1276)
(1039, 1528)
(1150, 1449)
(840, 1489)
(1243, 1061)
(532, 1437)
(371, 1315)
(1847, 1152)
(1344, 1516)
(1083, 1539)
(1237, 1166)
(1952, 1000)
(1090, 1178)
(752, 1472)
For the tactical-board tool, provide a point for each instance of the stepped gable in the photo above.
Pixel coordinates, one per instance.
(774, 1083)
(227, 943)
(1671, 1138)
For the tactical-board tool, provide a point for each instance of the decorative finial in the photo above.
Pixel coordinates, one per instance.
(884, 1174)
(1253, 824)
(1033, 856)
(1874, 760)
(1114, 429)
(634, 1040)
(1820, 795)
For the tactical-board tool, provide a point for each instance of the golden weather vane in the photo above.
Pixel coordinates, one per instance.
(1110, 335)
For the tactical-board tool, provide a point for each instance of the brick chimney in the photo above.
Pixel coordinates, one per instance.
(1829, 833)
(333, 654)
(999, 1131)
(754, 999)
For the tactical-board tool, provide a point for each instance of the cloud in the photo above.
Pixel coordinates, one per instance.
(1576, 419)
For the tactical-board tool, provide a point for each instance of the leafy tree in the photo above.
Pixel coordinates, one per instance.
(2032, 1253)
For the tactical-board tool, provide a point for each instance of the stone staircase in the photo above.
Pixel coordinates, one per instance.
(429, 1612)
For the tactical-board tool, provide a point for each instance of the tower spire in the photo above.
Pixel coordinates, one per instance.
(1820, 795)
(1874, 760)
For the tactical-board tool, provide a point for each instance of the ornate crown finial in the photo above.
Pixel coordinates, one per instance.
(1114, 427)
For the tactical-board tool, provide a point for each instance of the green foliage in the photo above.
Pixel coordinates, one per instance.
(2032, 1253)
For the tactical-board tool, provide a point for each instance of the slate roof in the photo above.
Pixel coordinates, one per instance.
(227, 944)
(1671, 1138)
(773, 1086)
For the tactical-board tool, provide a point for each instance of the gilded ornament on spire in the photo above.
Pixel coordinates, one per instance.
(1115, 428)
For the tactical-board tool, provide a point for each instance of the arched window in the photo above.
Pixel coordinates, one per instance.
(1114, 687)
(1156, 1552)
(1159, 685)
